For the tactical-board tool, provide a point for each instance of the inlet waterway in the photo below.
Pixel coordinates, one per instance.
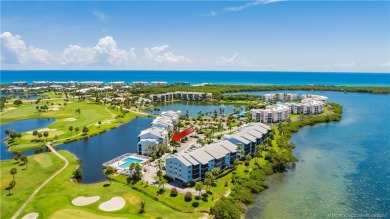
(344, 167)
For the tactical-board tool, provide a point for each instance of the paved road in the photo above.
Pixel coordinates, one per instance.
(44, 183)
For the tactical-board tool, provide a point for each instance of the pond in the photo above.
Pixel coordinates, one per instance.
(192, 107)
(23, 96)
(21, 126)
(106, 146)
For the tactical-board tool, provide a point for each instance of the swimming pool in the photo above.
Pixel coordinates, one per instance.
(128, 161)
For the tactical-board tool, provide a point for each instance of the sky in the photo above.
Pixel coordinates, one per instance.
(262, 35)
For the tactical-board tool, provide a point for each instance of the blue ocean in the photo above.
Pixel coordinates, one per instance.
(196, 77)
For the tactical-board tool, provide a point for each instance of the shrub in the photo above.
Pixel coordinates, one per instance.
(174, 192)
(195, 204)
(188, 196)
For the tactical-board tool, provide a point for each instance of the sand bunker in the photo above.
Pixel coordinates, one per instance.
(113, 204)
(32, 215)
(55, 108)
(9, 109)
(82, 201)
(46, 130)
(70, 119)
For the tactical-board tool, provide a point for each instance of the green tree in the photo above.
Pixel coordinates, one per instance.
(85, 130)
(77, 129)
(24, 159)
(78, 173)
(46, 134)
(13, 171)
(11, 186)
(162, 182)
(225, 209)
(78, 111)
(40, 135)
(142, 210)
(71, 130)
(18, 102)
(109, 170)
(35, 133)
(216, 171)
(199, 187)
(100, 122)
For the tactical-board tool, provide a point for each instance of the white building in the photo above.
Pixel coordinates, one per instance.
(280, 97)
(19, 84)
(249, 136)
(92, 83)
(193, 164)
(117, 83)
(139, 83)
(151, 136)
(273, 113)
(310, 104)
(159, 83)
(181, 95)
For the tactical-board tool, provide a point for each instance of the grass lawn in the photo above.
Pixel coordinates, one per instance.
(54, 200)
(39, 168)
(66, 116)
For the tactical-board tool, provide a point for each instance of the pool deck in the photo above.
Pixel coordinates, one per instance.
(118, 161)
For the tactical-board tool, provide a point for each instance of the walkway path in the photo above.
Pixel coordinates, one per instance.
(44, 183)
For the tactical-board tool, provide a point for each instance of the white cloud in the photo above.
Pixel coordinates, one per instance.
(223, 61)
(346, 65)
(77, 55)
(102, 16)
(250, 4)
(167, 58)
(14, 50)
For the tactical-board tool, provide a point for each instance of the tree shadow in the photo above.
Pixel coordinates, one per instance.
(106, 185)
(7, 189)
(160, 191)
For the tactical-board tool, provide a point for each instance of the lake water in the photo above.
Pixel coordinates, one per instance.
(101, 148)
(21, 126)
(193, 108)
(344, 167)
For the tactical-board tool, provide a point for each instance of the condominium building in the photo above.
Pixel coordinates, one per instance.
(151, 136)
(92, 83)
(249, 136)
(158, 133)
(280, 97)
(20, 84)
(192, 165)
(310, 104)
(273, 113)
(139, 83)
(117, 83)
(159, 83)
(181, 95)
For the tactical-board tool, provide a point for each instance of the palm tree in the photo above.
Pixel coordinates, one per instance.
(24, 159)
(100, 122)
(35, 133)
(236, 163)
(13, 171)
(11, 186)
(78, 111)
(162, 182)
(71, 129)
(199, 187)
(46, 134)
(160, 164)
(109, 170)
(207, 183)
(40, 136)
(85, 130)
